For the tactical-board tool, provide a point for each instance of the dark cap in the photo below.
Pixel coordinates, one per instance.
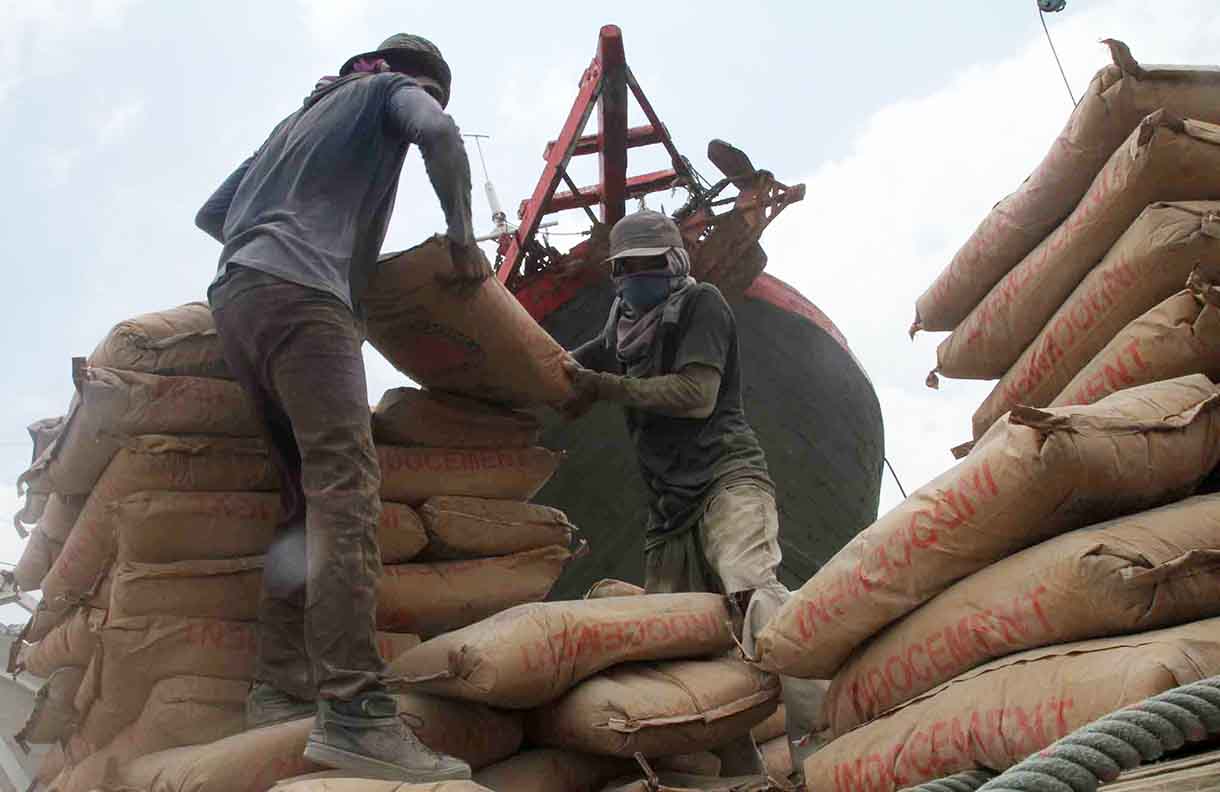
(408, 53)
(645, 233)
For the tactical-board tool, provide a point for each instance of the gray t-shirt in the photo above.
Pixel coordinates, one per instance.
(313, 203)
(685, 460)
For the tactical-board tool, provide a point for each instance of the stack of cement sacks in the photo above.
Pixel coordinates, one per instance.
(1062, 570)
(153, 501)
(1109, 226)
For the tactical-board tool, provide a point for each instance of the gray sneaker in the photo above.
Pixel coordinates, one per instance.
(267, 705)
(366, 737)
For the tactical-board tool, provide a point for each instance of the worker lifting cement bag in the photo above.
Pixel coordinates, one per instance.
(1137, 573)
(671, 707)
(413, 417)
(996, 715)
(1150, 262)
(112, 404)
(166, 526)
(180, 341)
(179, 711)
(481, 344)
(553, 770)
(1036, 474)
(1165, 159)
(426, 599)
(459, 528)
(532, 654)
(1115, 102)
(1178, 337)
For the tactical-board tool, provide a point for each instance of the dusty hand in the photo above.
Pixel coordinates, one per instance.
(470, 266)
(584, 390)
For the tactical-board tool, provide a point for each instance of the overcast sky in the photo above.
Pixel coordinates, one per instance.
(906, 120)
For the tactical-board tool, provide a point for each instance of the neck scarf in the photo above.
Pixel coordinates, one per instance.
(635, 334)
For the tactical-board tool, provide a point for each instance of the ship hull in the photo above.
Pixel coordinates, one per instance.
(811, 404)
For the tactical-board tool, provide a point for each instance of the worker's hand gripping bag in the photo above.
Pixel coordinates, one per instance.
(477, 341)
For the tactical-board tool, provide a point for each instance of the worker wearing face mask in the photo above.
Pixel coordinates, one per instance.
(668, 354)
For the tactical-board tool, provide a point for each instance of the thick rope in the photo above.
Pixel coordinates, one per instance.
(967, 781)
(1120, 741)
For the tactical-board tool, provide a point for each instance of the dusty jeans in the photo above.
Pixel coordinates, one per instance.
(296, 352)
(735, 550)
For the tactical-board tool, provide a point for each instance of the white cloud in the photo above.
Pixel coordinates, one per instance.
(114, 124)
(878, 224)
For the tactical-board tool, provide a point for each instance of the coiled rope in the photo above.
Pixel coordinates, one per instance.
(1098, 752)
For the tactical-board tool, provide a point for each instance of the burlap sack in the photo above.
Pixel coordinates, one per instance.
(181, 341)
(1178, 337)
(1150, 262)
(461, 528)
(1165, 159)
(609, 587)
(481, 344)
(333, 784)
(1036, 474)
(553, 770)
(1133, 574)
(179, 711)
(412, 475)
(413, 417)
(151, 462)
(54, 715)
(672, 707)
(531, 654)
(70, 644)
(162, 527)
(35, 561)
(777, 757)
(113, 404)
(1115, 102)
(253, 761)
(60, 515)
(430, 599)
(998, 714)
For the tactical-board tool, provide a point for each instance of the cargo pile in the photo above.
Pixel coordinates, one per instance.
(153, 501)
(1112, 222)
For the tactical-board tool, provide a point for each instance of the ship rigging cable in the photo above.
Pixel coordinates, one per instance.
(1052, 6)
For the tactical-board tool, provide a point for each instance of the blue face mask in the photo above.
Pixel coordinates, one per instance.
(644, 292)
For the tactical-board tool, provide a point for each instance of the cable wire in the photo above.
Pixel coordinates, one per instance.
(895, 475)
(1049, 40)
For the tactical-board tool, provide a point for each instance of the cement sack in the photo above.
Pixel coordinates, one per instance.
(60, 515)
(998, 714)
(181, 342)
(460, 528)
(1115, 102)
(179, 711)
(255, 760)
(1137, 573)
(772, 727)
(70, 644)
(672, 707)
(1178, 337)
(335, 784)
(532, 654)
(111, 405)
(152, 462)
(704, 763)
(413, 417)
(687, 782)
(1036, 474)
(51, 765)
(226, 589)
(481, 344)
(1195, 772)
(42, 437)
(412, 475)
(163, 527)
(609, 587)
(35, 561)
(777, 758)
(1149, 263)
(1165, 159)
(430, 599)
(54, 716)
(553, 770)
